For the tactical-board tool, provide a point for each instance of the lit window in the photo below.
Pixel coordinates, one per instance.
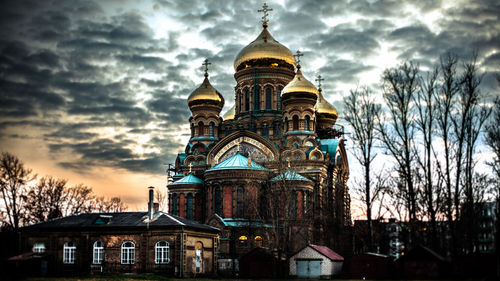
(258, 241)
(39, 248)
(128, 253)
(243, 241)
(69, 251)
(161, 252)
(98, 252)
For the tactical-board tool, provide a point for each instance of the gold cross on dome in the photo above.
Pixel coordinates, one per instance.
(190, 167)
(206, 64)
(264, 10)
(319, 79)
(297, 57)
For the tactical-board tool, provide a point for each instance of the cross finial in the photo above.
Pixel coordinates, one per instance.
(190, 167)
(319, 79)
(264, 10)
(297, 58)
(206, 64)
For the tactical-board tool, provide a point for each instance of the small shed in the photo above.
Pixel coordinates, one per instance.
(369, 266)
(422, 262)
(315, 261)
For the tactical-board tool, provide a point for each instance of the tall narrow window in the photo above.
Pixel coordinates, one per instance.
(39, 248)
(211, 127)
(279, 97)
(258, 241)
(128, 253)
(247, 100)
(240, 202)
(277, 129)
(256, 98)
(218, 201)
(98, 252)
(265, 131)
(175, 209)
(201, 129)
(306, 123)
(295, 123)
(269, 98)
(162, 252)
(190, 206)
(69, 251)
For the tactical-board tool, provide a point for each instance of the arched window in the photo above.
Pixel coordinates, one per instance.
(128, 252)
(69, 252)
(247, 100)
(190, 206)
(229, 130)
(243, 241)
(256, 98)
(279, 97)
(306, 123)
(175, 200)
(97, 252)
(201, 129)
(39, 248)
(218, 201)
(295, 123)
(269, 98)
(162, 252)
(258, 241)
(240, 202)
(277, 129)
(211, 129)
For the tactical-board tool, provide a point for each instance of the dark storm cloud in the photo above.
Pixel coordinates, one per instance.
(341, 70)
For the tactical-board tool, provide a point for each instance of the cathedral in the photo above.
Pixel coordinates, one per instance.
(272, 171)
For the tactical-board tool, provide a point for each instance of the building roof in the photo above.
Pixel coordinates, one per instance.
(237, 162)
(329, 145)
(235, 222)
(290, 175)
(189, 179)
(122, 220)
(327, 252)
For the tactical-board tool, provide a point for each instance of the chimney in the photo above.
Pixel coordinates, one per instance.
(150, 203)
(156, 207)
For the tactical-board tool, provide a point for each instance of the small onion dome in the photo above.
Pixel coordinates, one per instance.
(206, 94)
(265, 47)
(323, 107)
(299, 84)
(229, 115)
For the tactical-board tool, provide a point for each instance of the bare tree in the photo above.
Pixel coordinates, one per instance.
(46, 199)
(360, 112)
(397, 132)
(14, 178)
(112, 205)
(162, 199)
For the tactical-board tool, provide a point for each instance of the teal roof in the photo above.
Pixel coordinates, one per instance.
(330, 146)
(237, 162)
(290, 176)
(189, 179)
(243, 222)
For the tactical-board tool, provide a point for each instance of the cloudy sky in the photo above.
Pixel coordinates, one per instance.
(95, 91)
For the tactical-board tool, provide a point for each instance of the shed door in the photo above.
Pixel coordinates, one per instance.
(308, 269)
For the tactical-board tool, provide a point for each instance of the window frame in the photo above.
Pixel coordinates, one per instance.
(39, 248)
(97, 252)
(162, 252)
(127, 253)
(69, 253)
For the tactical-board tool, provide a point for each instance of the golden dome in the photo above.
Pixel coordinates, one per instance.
(229, 115)
(299, 84)
(324, 107)
(264, 47)
(205, 94)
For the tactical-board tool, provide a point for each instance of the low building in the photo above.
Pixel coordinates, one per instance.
(315, 261)
(135, 242)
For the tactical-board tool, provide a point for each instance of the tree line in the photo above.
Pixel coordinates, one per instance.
(25, 200)
(430, 124)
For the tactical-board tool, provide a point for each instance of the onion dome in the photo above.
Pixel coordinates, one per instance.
(206, 94)
(264, 49)
(323, 107)
(229, 115)
(299, 84)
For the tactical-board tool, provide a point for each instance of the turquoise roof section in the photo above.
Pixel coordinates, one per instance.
(189, 179)
(242, 222)
(237, 162)
(182, 156)
(330, 146)
(290, 175)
